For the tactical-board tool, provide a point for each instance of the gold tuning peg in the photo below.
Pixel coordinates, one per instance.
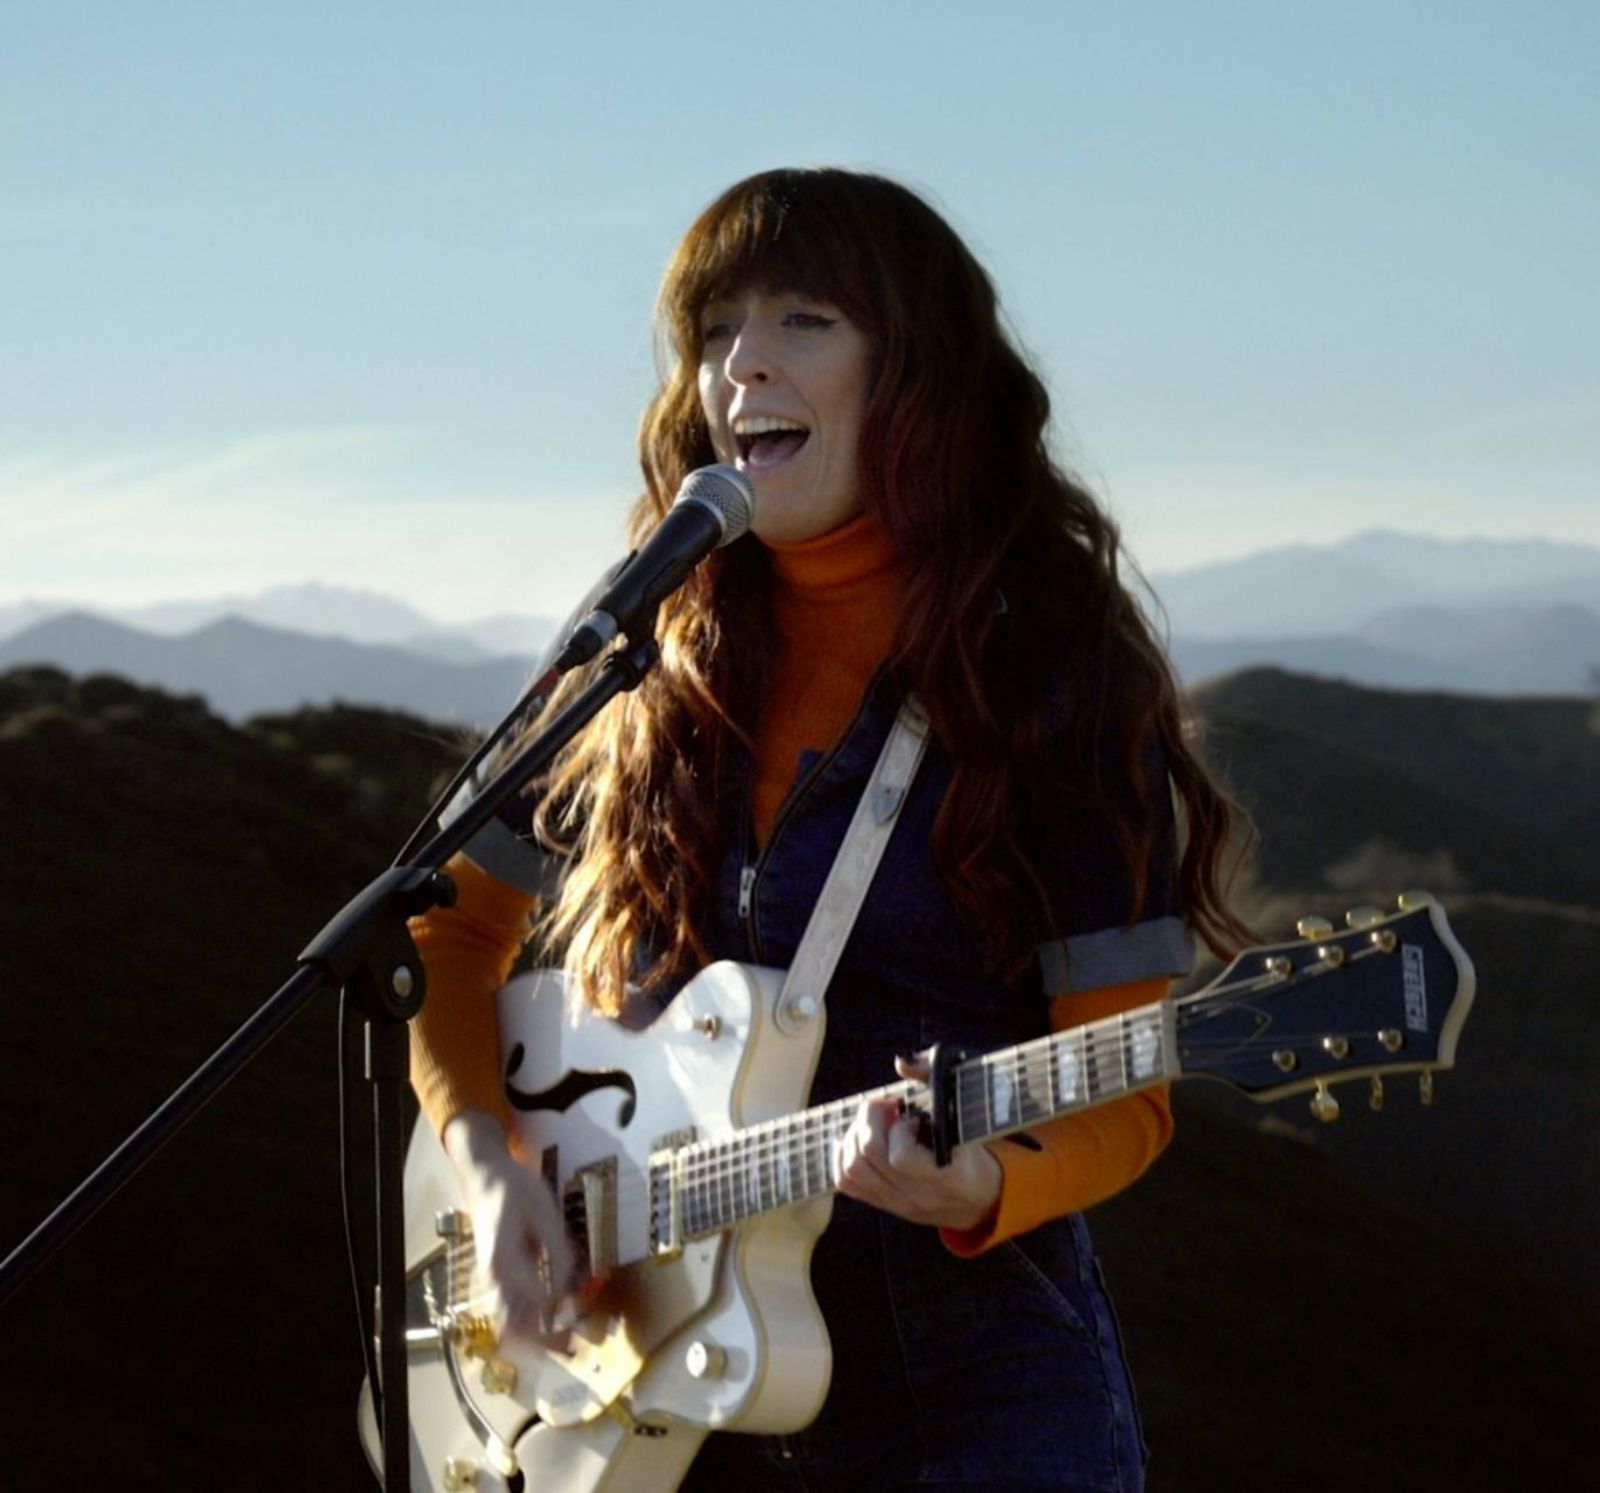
(1410, 901)
(1324, 1106)
(454, 1224)
(1313, 928)
(1363, 917)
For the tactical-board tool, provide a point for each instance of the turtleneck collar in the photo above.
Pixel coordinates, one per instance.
(857, 557)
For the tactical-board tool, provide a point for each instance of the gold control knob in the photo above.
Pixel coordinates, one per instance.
(473, 1334)
(1324, 1106)
(705, 1360)
(458, 1473)
(1313, 928)
(1375, 1094)
(499, 1376)
(1363, 917)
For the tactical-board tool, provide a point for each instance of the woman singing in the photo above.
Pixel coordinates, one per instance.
(830, 335)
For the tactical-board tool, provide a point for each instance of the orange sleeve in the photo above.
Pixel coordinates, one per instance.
(1084, 1157)
(468, 951)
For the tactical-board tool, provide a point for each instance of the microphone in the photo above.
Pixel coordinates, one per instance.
(713, 508)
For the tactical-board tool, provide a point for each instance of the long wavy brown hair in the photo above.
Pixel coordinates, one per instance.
(1041, 676)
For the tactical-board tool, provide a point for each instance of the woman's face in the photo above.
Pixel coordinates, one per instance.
(783, 383)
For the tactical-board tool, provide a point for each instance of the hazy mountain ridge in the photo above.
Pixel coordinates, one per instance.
(1313, 589)
(1395, 610)
(1399, 611)
(244, 669)
(1552, 650)
(1276, 1278)
(358, 616)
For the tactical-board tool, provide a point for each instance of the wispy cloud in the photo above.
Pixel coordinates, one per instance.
(44, 496)
(345, 506)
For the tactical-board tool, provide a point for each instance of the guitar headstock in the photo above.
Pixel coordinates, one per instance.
(1387, 993)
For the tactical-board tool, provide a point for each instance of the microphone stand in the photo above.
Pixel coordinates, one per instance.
(368, 952)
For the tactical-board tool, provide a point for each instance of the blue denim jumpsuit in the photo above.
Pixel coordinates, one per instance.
(1002, 1372)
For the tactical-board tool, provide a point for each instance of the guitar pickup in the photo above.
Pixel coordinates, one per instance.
(666, 1197)
(592, 1194)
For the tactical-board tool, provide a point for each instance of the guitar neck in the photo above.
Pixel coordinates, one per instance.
(711, 1185)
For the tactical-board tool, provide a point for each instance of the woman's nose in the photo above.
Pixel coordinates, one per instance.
(750, 357)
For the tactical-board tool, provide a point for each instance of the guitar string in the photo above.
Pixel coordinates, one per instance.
(726, 1171)
(726, 1179)
(724, 1159)
(719, 1160)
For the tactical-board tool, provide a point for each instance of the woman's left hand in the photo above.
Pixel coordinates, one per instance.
(882, 1161)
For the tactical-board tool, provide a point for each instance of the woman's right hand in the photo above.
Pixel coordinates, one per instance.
(525, 1262)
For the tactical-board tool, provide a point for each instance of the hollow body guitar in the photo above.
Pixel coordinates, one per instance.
(697, 1184)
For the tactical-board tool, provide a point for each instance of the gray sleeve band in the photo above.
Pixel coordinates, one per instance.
(509, 858)
(1117, 956)
(506, 856)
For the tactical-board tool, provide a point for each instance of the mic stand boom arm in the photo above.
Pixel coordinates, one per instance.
(367, 951)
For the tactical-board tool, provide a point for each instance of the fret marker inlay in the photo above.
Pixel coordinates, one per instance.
(1067, 1074)
(1146, 1047)
(1004, 1096)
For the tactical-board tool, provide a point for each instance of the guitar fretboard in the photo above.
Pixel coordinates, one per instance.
(713, 1184)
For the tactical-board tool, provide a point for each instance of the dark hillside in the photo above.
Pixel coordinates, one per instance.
(1293, 1321)
(1495, 805)
(163, 869)
(1511, 788)
(1505, 1159)
(1290, 1330)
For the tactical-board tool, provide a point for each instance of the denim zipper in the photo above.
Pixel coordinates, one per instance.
(750, 871)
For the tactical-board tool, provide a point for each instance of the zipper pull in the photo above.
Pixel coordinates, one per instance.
(747, 883)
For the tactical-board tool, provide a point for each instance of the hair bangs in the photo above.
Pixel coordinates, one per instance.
(780, 231)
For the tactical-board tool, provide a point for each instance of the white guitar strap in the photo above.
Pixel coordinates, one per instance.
(822, 944)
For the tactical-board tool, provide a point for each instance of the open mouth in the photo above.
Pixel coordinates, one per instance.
(768, 443)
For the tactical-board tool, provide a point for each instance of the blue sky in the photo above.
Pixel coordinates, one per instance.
(361, 292)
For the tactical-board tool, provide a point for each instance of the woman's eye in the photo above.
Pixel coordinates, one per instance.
(809, 319)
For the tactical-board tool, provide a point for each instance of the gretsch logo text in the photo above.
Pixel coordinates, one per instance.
(1416, 987)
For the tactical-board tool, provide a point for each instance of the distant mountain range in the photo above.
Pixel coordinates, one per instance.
(244, 669)
(1398, 611)
(323, 611)
(1484, 616)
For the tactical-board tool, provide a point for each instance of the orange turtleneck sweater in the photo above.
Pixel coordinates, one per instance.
(835, 606)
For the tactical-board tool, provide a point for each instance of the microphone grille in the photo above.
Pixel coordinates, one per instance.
(726, 492)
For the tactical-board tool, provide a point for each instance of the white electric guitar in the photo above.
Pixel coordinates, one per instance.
(697, 1183)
